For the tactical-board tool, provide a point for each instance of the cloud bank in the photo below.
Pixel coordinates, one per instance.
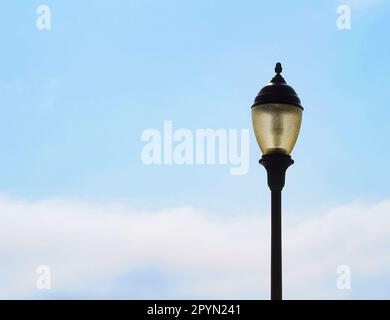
(110, 251)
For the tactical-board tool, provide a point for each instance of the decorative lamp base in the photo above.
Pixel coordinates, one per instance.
(276, 166)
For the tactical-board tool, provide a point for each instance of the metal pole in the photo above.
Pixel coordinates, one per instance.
(276, 245)
(276, 166)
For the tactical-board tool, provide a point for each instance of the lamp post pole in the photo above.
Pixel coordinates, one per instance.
(276, 119)
(276, 166)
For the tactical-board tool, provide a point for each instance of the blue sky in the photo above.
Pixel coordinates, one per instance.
(75, 100)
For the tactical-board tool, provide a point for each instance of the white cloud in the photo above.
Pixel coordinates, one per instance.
(110, 251)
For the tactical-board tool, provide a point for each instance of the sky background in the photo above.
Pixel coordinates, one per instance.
(75, 194)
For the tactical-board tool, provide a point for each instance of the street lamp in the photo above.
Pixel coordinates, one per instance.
(276, 119)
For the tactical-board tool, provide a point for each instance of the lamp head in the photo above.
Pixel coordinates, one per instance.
(277, 116)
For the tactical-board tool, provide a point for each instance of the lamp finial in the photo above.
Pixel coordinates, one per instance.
(278, 68)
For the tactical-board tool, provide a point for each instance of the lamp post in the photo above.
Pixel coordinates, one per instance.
(276, 119)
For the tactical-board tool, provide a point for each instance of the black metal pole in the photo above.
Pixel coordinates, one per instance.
(276, 166)
(276, 245)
